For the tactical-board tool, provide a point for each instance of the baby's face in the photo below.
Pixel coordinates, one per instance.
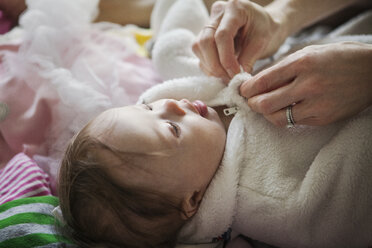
(185, 142)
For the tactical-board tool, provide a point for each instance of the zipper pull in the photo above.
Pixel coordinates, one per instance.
(230, 111)
(4, 111)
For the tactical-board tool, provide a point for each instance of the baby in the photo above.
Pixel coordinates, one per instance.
(153, 174)
(173, 170)
(135, 174)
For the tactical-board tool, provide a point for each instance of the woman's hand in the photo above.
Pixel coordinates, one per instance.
(239, 33)
(327, 82)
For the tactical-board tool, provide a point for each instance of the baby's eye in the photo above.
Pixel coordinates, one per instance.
(148, 106)
(176, 130)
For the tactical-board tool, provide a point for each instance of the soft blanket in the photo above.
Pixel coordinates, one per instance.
(300, 187)
(29, 222)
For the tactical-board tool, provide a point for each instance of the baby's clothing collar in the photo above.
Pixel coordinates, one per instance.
(217, 210)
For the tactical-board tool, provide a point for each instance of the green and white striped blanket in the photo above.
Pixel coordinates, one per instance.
(29, 222)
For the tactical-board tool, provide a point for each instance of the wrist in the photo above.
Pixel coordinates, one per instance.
(362, 57)
(364, 52)
(293, 15)
(368, 48)
(280, 14)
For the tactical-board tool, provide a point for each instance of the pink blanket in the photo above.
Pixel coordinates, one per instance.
(59, 73)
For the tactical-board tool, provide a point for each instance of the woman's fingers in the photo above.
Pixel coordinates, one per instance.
(225, 36)
(249, 54)
(208, 53)
(205, 47)
(204, 68)
(217, 10)
(279, 118)
(316, 80)
(270, 79)
(239, 33)
(299, 113)
(271, 91)
(303, 113)
(274, 100)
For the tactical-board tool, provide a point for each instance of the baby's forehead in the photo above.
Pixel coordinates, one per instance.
(106, 121)
(103, 120)
(131, 129)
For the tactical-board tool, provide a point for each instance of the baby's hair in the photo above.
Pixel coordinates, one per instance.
(100, 213)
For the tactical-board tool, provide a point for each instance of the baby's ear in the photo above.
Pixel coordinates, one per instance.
(190, 204)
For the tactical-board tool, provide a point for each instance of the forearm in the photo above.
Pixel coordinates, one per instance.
(293, 15)
(136, 12)
(366, 57)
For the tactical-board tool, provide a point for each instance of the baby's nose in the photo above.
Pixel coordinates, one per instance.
(173, 107)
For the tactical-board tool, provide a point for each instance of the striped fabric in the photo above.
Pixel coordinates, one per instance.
(22, 178)
(28, 222)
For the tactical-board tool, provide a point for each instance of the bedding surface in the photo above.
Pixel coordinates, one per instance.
(22, 178)
(28, 222)
(57, 71)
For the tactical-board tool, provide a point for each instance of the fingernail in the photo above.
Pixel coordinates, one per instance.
(250, 104)
(248, 68)
(243, 92)
(241, 89)
(231, 73)
(226, 80)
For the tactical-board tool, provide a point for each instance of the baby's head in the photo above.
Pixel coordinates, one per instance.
(134, 175)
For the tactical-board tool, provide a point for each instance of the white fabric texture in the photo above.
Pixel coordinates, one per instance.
(299, 187)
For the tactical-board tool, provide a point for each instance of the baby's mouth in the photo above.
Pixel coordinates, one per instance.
(201, 107)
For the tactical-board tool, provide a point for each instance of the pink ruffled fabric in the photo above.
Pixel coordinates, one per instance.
(61, 73)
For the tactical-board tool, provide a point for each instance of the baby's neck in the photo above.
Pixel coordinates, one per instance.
(225, 119)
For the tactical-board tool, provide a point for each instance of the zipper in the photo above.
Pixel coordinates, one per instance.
(230, 111)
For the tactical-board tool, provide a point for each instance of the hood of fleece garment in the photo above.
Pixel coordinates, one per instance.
(217, 209)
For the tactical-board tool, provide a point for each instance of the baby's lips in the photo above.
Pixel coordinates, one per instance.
(201, 107)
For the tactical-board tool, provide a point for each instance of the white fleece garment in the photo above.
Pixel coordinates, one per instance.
(299, 187)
